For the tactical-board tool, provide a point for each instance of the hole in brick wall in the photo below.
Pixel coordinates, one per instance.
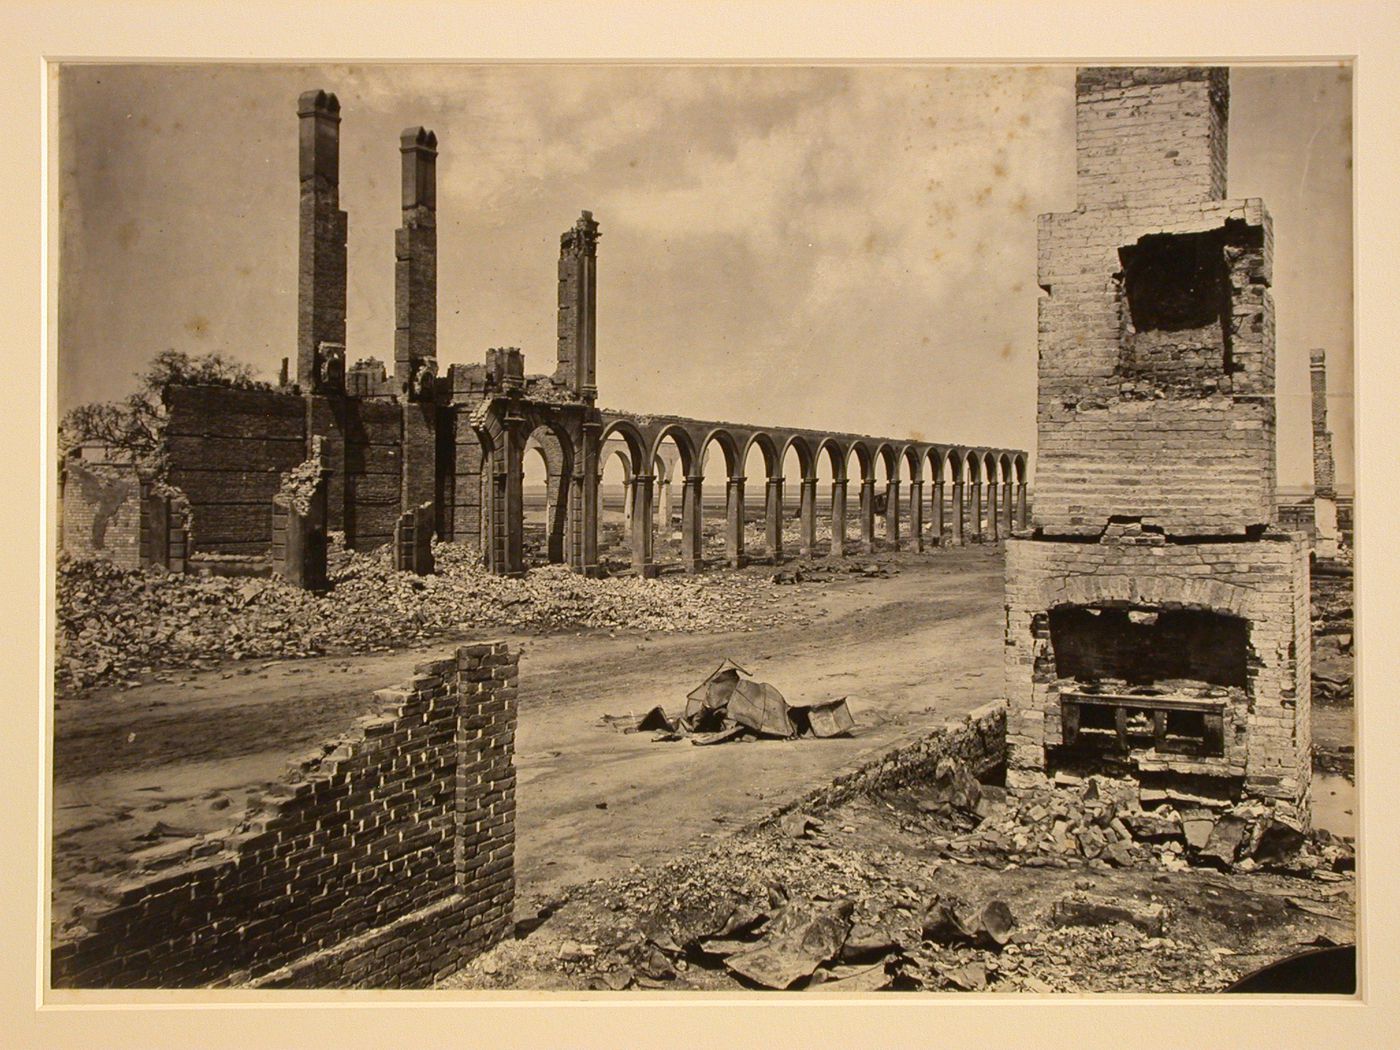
(1145, 646)
(1179, 292)
(1175, 282)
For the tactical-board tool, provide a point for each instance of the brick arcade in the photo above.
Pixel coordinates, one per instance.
(1156, 616)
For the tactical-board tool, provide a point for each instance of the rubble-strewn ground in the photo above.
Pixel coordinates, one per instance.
(123, 626)
(913, 641)
(862, 886)
(912, 645)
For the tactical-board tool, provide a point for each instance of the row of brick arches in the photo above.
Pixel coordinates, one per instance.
(817, 493)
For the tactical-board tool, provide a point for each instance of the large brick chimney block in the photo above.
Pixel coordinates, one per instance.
(321, 248)
(1155, 619)
(415, 268)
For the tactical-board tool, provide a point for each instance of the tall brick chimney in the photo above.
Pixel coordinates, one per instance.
(1326, 533)
(415, 268)
(1156, 620)
(578, 269)
(321, 248)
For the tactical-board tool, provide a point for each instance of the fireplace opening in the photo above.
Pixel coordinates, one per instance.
(1143, 646)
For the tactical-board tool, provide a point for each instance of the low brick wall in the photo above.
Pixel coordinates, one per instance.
(978, 739)
(388, 860)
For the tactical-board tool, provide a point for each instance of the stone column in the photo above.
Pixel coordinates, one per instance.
(892, 512)
(938, 513)
(993, 525)
(807, 519)
(734, 514)
(1008, 491)
(663, 505)
(976, 511)
(513, 509)
(642, 558)
(867, 515)
(916, 516)
(959, 531)
(692, 538)
(1021, 518)
(773, 518)
(838, 517)
(629, 488)
(591, 498)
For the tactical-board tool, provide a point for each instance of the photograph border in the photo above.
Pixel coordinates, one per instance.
(861, 33)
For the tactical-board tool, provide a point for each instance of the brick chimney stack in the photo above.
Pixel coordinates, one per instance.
(578, 294)
(415, 268)
(322, 233)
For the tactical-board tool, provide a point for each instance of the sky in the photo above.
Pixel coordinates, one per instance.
(843, 248)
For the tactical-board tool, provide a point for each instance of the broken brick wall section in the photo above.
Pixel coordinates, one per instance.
(387, 861)
(101, 509)
(977, 740)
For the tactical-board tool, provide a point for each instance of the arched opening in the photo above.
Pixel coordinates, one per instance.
(1007, 506)
(886, 496)
(860, 474)
(615, 506)
(721, 520)
(972, 497)
(911, 505)
(991, 499)
(535, 501)
(762, 519)
(937, 488)
(623, 535)
(669, 468)
(546, 465)
(799, 503)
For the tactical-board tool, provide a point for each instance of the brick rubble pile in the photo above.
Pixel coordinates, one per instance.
(115, 625)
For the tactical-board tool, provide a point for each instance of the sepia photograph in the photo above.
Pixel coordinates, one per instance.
(881, 529)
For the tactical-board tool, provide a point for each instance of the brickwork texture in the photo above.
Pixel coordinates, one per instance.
(386, 861)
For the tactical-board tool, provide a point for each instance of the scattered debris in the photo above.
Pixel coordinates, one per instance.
(953, 921)
(113, 623)
(1081, 909)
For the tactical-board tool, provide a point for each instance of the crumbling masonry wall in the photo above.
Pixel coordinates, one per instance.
(386, 861)
(101, 508)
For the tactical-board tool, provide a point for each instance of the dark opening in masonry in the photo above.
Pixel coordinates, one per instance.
(1145, 646)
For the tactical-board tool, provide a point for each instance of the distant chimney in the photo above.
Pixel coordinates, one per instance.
(578, 269)
(415, 268)
(321, 247)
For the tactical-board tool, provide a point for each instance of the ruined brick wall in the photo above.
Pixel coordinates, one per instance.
(387, 861)
(228, 450)
(1267, 736)
(470, 461)
(363, 447)
(101, 512)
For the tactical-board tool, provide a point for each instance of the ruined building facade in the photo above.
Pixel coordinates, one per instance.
(1156, 617)
(405, 449)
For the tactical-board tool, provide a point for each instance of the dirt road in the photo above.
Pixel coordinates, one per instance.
(909, 651)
